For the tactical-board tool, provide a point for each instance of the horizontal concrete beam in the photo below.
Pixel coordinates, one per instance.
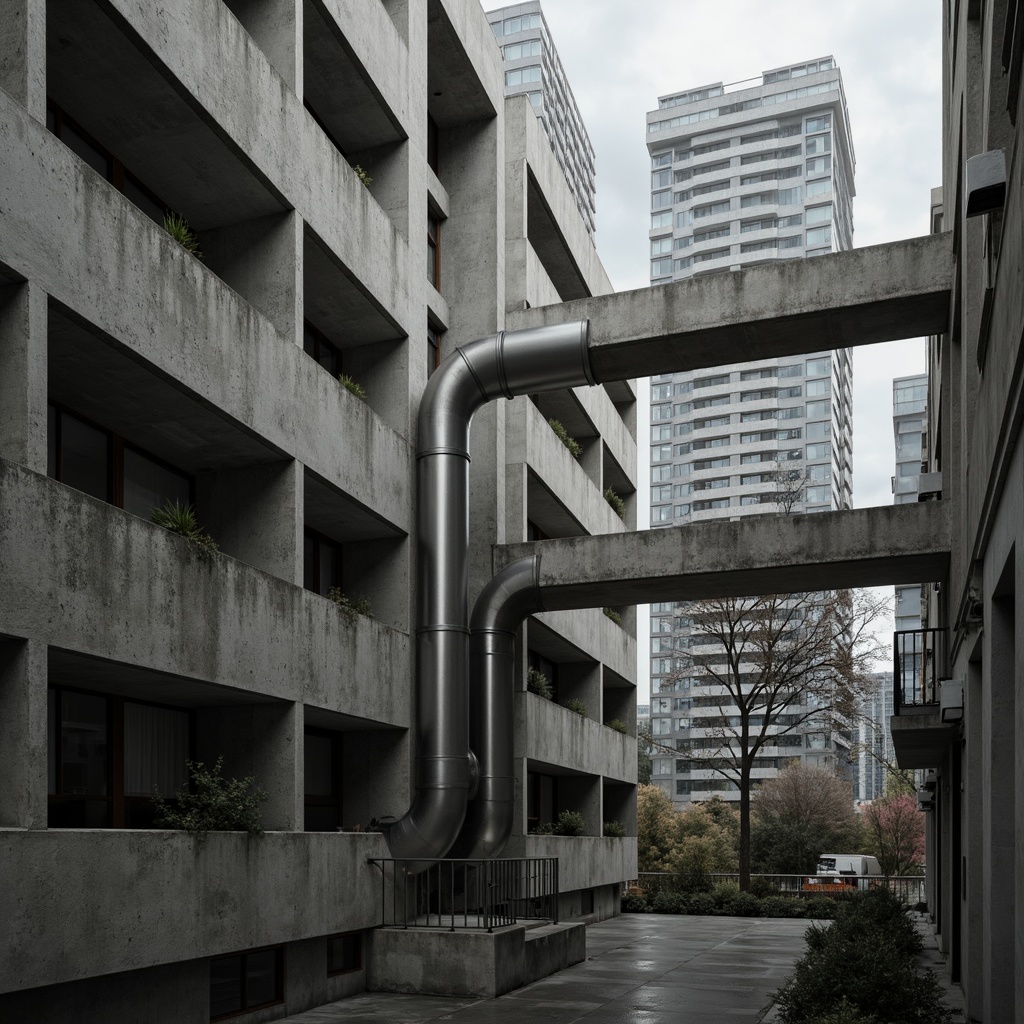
(881, 293)
(867, 547)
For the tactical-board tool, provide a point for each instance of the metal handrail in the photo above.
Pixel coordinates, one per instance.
(918, 659)
(457, 893)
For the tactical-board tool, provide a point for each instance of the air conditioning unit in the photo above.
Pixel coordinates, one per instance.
(951, 700)
(925, 800)
(929, 487)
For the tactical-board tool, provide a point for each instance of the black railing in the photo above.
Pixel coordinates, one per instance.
(452, 894)
(918, 659)
(909, 888)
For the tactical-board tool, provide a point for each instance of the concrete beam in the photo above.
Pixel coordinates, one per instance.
(779, 554)
(881, 293)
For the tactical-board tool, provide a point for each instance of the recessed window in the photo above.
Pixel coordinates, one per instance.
(433, 349)
(344, 953)
(106, 756)
(322, 560)
(322, 780)
(319, 347)
(433, 250)
(246, 981)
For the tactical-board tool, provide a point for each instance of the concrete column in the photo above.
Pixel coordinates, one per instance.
(266, 742)
(23, 726)
(23, 375)
(276, 28)
(262, 260)
(999, 802)
(255, 515)
(23, 54)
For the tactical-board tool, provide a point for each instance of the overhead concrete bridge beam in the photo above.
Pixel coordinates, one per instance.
(868, 547)
(859, 297)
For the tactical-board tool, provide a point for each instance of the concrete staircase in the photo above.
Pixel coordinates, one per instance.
(466, 962)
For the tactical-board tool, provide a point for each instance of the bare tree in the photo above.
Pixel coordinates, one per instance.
(769, 665)
(789, 489)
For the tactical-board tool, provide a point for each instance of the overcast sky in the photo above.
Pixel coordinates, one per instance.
(619, 57)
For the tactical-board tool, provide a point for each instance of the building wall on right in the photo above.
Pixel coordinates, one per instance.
(970, 738)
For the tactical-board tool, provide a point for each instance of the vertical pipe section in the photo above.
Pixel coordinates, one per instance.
(503, 365)
(498, 613)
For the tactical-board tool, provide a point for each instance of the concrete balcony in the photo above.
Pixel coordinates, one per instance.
(136, 899)
(91, 579)
(584, 862)
(582, 744)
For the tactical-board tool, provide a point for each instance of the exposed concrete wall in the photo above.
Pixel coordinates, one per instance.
(220, 621)
(23, 760)
(584, 861)
(23, 54)
(23, 382)
(138, 899)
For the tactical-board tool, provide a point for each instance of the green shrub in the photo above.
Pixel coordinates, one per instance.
(761, 887)
(820, 908)
(613, 615)
(614, 830)
(617, 504)
(543, 828)
(575, 705)
(668, 902)
(352, 386)
(745, 904)
(701, 903)
(723, 893)
(634, 901)
(538, 683)
(844, 1013)
(217, 805)
(362, 175)
(181, 519)
(618, 725)
(782, 906)
(573, 446)
(350, 608)
(570, 823)
(865, 962)
(177, 227)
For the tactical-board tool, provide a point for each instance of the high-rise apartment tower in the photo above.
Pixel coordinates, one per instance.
(742, 175)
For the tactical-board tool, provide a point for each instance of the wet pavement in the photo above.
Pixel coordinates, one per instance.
(640, 969)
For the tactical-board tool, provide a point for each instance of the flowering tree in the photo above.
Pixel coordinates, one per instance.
(896, 830)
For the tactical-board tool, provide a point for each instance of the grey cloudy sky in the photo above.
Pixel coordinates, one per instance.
(620, 56)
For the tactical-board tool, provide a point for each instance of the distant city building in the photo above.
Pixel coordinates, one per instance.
(533, 68)
(873, 743)
(742, 175)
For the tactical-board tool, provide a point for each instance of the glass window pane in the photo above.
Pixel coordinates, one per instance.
(225, 986)
(148, 485)
(261, 981)
(319, 765)
(83, 744)
(84, 461)
(155, 749)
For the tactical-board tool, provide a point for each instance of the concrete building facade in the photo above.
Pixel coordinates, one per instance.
(742, 175)
(322, 155)
(534, 69)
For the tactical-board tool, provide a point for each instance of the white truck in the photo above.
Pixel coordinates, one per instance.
(838, 871)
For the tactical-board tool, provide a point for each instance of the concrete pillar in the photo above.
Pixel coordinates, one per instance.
(276, 28)
(262, 260)
(23, 375)
(999, 801)
(266, 742)
(255, 515)
(23, 54)
(23, 725)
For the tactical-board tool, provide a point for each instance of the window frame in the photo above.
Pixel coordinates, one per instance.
(280, 967)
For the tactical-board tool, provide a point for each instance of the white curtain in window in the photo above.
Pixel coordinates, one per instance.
(155, 749)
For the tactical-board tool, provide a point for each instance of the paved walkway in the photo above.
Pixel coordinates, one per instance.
(640, 969)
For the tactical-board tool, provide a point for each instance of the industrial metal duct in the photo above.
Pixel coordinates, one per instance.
(503, 365)
(498, 613)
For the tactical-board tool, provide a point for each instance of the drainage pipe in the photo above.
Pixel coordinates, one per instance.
(503, 365)
(512, 595)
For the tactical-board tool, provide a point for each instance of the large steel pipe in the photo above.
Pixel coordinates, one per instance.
(512, 595)
(503, 365)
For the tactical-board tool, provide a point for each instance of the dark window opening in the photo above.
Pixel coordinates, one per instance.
(433, 250)
(319, 347)
(433, 349)
(106, 756)
(345, 953)
(246, 981)
(322, 780)
(433, 145)
(322, 561)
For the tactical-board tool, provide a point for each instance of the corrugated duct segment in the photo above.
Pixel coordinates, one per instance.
(448, 772)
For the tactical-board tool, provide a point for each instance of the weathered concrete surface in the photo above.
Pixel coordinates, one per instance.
(582, 744)
(858, 297)
(584, 862)
(89, 578)
(129, 900)
(920, 738)
(858, 548)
